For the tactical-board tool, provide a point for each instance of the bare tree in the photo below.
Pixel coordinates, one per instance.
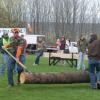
(61, 17)
(75, 4)
(82, 16)
(94, 17)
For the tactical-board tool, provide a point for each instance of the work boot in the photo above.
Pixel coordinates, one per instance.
(98, 85)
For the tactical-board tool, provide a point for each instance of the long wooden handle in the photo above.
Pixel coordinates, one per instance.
(23, 66)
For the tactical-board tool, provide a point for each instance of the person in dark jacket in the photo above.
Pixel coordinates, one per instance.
(62, 43)
(94, 61)
(23, 55)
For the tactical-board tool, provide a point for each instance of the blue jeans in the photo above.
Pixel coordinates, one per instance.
(94, 65)
(19, 68)
(81, 61)
(22, 59)
(11, 66)
(39, 54)
(4, 63)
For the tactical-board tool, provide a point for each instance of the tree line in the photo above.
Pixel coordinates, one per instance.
(54, 17)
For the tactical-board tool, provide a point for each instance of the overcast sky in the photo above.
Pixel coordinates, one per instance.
(94, 1)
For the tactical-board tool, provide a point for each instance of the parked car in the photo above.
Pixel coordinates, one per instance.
(72, 47)
(32, 41)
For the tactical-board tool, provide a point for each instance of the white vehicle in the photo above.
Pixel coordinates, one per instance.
(72, 47)
(8, 30)
(32, 42)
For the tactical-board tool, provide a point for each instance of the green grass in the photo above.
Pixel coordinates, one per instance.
(47, 91)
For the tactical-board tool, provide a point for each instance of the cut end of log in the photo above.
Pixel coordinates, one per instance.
(22, 77)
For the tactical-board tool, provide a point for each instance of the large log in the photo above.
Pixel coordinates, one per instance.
(30, 78)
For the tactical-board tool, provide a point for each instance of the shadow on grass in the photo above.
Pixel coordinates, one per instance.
(55, 86)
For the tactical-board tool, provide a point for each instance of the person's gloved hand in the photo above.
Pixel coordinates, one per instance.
(4, 47)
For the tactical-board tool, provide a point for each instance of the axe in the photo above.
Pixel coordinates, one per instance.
(22, 65)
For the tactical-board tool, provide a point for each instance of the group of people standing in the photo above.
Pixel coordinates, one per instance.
(61, 43)
(16, 45)
(92, 49)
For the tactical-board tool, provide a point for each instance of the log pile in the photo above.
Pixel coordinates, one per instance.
(54, 78)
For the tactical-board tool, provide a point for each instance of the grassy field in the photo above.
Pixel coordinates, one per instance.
(47, 91)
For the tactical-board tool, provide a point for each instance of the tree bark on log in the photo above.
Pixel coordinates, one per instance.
(54, 78)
